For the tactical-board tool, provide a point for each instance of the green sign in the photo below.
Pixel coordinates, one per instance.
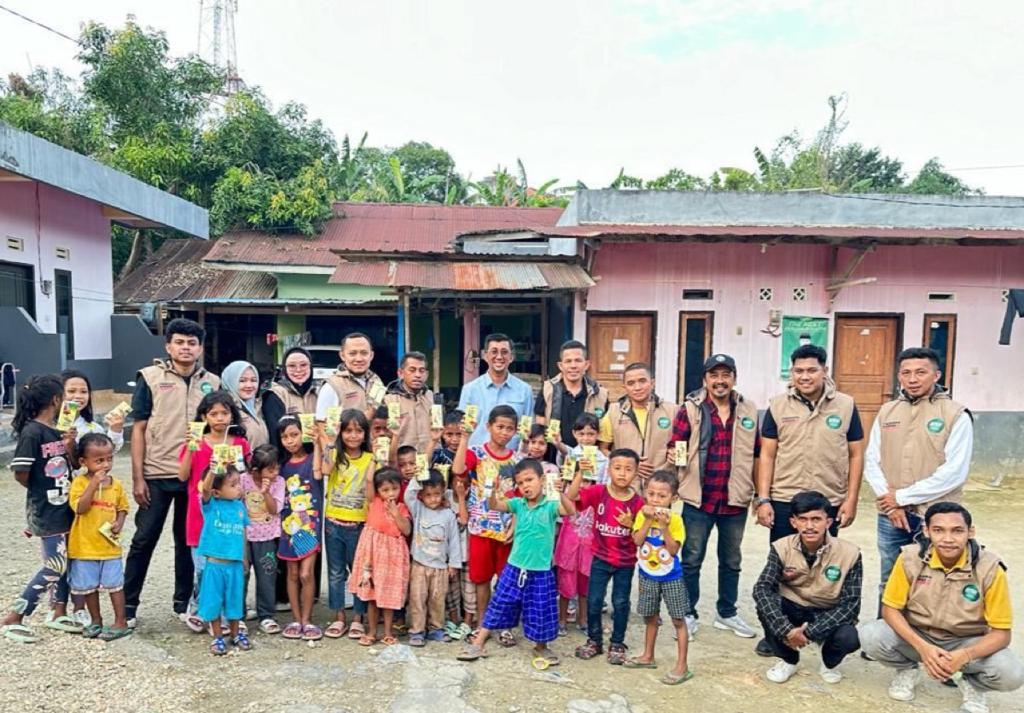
(797, 331)
(832, 573)
(970, 593)
(747, 422)
(936, 425)
(833, 422)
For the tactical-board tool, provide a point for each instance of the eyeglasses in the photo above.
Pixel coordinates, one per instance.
(296, 367)
(496, 353)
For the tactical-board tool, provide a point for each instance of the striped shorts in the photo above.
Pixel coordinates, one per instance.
(529, 595)
(653, 591)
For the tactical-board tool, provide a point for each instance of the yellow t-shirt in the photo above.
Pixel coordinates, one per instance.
(653, 556)
(85, 541)
(346, 490)
(605, 433)
(998, 612)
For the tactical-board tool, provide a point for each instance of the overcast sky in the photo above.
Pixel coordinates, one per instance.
(578, 89)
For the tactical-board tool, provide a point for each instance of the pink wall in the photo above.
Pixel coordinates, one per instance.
(67, 221)
(652, 276)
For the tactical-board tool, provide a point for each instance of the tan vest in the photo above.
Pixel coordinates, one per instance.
(654, 443)
(295, 404)
(415, 427)
(948, 606)
(174, 405)
(819, 584)
(813, 452)
(351, 393)
(744, 436)
(595, 402)
(255, 428)
(913, 440)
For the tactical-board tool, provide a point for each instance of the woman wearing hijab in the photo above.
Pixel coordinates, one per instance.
(293, 392)
(242, 381)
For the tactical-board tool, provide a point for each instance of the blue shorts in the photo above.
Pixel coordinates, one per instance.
(531, 595)
(222, 591)
(88, 576)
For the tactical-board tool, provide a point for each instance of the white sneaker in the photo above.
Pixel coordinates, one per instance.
(780, 672)
(903, 683)
(830, 675)
(132, 622)
(974, 700)
(692, 625)
(83, 617)
(736, 625)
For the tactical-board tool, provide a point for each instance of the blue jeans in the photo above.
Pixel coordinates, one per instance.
(621, 578)
(891, 539)
(52, 577)
(340, 546)
(730, 541)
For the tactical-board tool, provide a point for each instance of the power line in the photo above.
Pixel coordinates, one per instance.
(38, 24)
(988, 168)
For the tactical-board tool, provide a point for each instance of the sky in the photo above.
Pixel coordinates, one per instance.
(578, 89)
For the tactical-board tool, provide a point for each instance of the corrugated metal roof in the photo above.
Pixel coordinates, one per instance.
(463, 276)
(378, 227)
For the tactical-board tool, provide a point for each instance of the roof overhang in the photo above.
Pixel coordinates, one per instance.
(463, 276)
(125, 200)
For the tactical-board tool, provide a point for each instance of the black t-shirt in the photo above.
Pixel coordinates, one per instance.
(41, 453)
(572, 407)
(854, 432)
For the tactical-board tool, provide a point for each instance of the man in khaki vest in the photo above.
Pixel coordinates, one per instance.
(165, 400)
(809, 591)
(946, 605)
(414, 399)
(719, 427)
(353, 384)
(919, 452)
(640, 421)
(572, 393)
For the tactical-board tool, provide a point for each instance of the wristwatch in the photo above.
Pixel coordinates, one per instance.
(763, 501)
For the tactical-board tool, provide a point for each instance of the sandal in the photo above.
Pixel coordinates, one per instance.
(311, 632)
(674, 679)
(388, 640)
(616, 654)
(19, 633)
(471, 652)
(464, 630)
(92, 631)
(64, 623)
(292, 631)
(635, 662)
(367, 640)
(400, 628)
(269, 626)
(336, 629)
(112, 633)
(589, 650)
(193, 622)
(563, 630)
(544, 660)
(417, 638)
(453, 631)
(437, 635)
(356, 631)
(507, 639)
(242, 642)
(218, 647)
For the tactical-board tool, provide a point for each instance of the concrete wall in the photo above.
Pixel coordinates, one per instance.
(134, 347)
(29, 348)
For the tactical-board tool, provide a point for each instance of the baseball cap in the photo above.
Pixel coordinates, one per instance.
(716, 360)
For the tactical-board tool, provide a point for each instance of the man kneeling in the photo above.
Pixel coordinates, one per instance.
(809, 591)
(946, 605)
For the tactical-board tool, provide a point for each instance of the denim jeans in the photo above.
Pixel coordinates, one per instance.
(621, 578)
(340, 547)
(891, 539)
(730, 540)
(52, 577)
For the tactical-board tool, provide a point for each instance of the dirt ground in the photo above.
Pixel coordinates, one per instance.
(163, 667)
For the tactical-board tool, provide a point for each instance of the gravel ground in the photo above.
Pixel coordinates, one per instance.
(163, 667)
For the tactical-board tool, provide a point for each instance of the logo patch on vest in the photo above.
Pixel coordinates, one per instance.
(747, 422)
(970, 593)
(935, 425)
(832, 573)
(599, 412)
(663, 422)
(165, 386)
(833, 422)
(206, 387)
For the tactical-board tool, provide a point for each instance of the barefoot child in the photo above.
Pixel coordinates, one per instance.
(526, 588)
(380, 575)
(658, 532)
(101, 505)
(222, 546)
(263, 491)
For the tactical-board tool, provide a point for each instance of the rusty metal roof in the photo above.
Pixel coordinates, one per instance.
(176, 273)
(463, 276)
(378, 228)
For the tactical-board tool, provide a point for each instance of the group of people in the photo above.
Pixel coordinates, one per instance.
(557, 498)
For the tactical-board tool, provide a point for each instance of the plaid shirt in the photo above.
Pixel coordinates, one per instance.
(718, 463)
(769, 601)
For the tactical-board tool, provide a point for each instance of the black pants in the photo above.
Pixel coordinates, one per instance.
(782, 528)
(839, 643)
(149, 525)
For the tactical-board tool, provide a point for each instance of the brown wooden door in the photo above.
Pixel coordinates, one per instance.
(865, 362)
(615, 340)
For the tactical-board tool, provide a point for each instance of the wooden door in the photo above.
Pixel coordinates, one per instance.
(865, 362)
(615, 340)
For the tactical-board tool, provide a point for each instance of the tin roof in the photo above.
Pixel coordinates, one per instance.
(463, 276)
(378, 228)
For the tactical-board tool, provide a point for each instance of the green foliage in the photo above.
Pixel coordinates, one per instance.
(932, 179)
(504, 189)
(253, 198)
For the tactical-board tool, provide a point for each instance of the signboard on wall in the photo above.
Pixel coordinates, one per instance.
(301, 339)
(797, 331)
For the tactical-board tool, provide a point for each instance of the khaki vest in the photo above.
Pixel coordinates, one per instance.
(295, 404)
(913, 440)
(654, 443)
(813, 452)
(948, 606)
(415, 427)
(744, 436)
(174, 405)
(819, 584)
(351, 393)
(255, 428)
(596, 403)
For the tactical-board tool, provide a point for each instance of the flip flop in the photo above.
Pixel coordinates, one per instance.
(113, 633)
(507, 639)
(674, 679)
(471, 652)
(64, 623)
(453, 631)
(637, 663)
(356, 631)
(545, 660)
(389, 641)
(269, 626)
(336, 629)
(19, 633)
(293, 631)
(92, 631)
(312, 632)
(367, 640)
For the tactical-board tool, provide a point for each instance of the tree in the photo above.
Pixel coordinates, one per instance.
(934, 180)
(502, 188)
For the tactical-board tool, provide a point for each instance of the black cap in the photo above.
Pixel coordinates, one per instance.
(716, 360)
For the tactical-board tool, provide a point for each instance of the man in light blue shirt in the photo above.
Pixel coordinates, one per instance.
(496, 387)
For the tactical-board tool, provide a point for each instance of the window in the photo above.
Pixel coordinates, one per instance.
(940, 335)
(694, 347)
(799, 294)
(65, 316)
(765, 294)
(17, 287)
(698, 294)
(63, 253)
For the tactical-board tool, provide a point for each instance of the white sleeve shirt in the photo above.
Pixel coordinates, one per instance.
(325, 399)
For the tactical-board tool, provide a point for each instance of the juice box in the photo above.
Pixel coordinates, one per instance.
(394, 414)
(554, 429)
(332, 426)
(525, 424)
(590, 456)
(437, 416)
(308, 421)
(487, 472)
(195, 434)
(569, 468)
(422, 467)
(377, 392)
(381, 449)
(122, 409)
(681, 453)
(68, 414)
(224, 454)
(470, 418)
(443, 469)
(107, 530)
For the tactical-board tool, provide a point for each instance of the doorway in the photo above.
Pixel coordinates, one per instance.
(615, 340)
(695, 335)
(65, 311)
(865, 361)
